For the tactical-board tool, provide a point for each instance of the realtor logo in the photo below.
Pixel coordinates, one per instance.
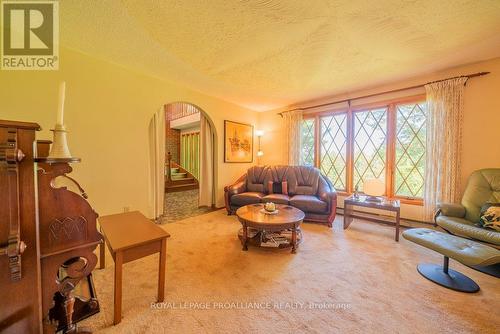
(30, 35)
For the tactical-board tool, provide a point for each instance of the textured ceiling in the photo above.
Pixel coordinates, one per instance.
(265, 54)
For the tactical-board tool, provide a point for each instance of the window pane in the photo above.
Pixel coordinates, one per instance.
(370, 145)
(307, 143)
(334, 149)
(410, 149)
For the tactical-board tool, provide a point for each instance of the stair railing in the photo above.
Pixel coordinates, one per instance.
(169, 168)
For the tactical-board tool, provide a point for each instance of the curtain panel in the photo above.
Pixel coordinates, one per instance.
(292, 122)
(207, 147)
(190, 153)
(444, 143)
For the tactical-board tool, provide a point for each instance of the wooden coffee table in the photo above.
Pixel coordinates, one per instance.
(287, 218)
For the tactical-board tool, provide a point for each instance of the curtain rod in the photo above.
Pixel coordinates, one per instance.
(478, 74)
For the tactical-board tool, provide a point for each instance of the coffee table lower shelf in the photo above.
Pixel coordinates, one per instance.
(257, 239)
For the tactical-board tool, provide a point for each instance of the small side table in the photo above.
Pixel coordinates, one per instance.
(385, 204)
(131, 236)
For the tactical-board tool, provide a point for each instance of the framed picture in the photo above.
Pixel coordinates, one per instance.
(238, 142)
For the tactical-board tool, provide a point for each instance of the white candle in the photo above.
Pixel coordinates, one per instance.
(60, 107)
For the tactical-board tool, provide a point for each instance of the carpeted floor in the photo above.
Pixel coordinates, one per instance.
(354, 281)
(181, 205)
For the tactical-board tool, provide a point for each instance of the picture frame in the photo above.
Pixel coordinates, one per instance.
(238, 142)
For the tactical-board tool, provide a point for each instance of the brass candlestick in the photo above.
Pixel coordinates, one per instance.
(59, 149)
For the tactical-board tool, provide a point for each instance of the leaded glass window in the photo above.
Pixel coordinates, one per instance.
(410, 149)
(333, 149)
(370, 145)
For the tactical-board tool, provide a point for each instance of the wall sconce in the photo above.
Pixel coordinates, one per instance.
(259, 134)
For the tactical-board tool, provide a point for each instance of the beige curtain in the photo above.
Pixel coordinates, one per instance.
(190, 153)
(206, 180)
(157, 162)
(292, 122)
(444, 143)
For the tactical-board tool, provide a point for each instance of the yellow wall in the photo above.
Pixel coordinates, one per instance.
(108, 109)
(481, 134)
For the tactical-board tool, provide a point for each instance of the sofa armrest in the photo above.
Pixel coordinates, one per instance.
(237, 188)
(333, 207)
(451, 210)
(326, 190)
(240, 186)
(328, 194)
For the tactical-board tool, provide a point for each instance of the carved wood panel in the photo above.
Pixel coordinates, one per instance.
(20, 310)
(68, 238)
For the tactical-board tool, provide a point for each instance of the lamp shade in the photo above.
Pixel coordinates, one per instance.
(374, 187)
(259, 133)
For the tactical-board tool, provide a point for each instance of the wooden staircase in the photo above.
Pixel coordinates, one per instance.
(177, 178)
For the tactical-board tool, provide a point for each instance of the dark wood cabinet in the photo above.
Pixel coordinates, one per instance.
(20, 287)
(48, 236)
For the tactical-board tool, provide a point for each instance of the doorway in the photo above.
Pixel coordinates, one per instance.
(189, 162)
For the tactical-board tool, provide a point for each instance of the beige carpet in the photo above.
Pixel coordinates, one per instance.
(354, 281)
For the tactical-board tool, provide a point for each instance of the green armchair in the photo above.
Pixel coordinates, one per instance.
(482, 187)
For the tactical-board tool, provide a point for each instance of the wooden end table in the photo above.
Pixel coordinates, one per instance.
(385, 204)
(287, 218)
(131, 236)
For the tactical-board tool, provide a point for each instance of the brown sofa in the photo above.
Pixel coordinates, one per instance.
(299, 186)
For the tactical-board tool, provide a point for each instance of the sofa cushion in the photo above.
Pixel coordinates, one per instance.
(279, 173)
(276, 198)
(303, 180)
(257, 179)
(482, 187)
(250, 197)
(468, 252)
(309, 203)
(465, 228)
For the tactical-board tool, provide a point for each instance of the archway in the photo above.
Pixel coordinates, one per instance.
(191, 155)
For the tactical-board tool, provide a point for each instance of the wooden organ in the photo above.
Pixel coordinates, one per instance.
(48, 235)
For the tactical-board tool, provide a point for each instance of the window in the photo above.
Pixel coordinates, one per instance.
(370, 129)
(385, 141)
(410, 149)
(334, 149)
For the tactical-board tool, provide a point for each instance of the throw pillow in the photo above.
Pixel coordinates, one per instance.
(270, 187)
(284, 187)
(277, 187)
(490, 216)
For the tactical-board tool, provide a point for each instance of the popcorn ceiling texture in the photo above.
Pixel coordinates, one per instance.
(265, 54)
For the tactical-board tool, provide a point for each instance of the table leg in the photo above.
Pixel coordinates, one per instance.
(397, 225)
(102, 255)
(118, 288)
(294, 239)
(347, 215)
(161, 271)
(245, 237)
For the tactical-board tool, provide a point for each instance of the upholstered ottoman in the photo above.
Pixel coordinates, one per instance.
(465, 251)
